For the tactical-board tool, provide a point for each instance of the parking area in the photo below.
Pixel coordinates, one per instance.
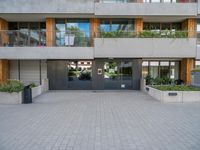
(102, 120)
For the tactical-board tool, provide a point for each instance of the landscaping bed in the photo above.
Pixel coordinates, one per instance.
(174, 93)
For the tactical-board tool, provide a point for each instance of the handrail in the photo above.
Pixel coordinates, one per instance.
(145, 1)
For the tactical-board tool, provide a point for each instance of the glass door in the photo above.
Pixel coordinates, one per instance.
(118, 74)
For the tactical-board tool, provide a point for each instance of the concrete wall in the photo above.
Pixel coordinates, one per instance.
(153, 9)
(145, 48)
(46, 52)
(198, 52)
(28, 70)
(47, 6)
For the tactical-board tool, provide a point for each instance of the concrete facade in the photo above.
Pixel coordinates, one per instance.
(145, 48)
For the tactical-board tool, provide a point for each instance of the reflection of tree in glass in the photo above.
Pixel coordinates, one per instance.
(80, 38)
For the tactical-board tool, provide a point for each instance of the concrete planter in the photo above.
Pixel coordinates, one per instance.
(174, 96)
(36, 91)
(10, 98)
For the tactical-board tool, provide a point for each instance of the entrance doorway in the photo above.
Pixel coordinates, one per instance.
(118, 74)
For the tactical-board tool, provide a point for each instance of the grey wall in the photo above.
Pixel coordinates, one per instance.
(46, 52)
(29, 70)
(145, 48)
(47, 6)
(198, 52)
(153, 9)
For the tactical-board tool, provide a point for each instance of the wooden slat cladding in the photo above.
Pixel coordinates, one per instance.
(190, 26)
(94, 29)
(4, 64)
(138, 25)
(187, 64)
(4, 70)
(50, 32)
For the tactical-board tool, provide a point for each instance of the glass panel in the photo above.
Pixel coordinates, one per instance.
(126, 74)
(111, 75)
(122, 25)
(145, 69)
(174, 70)
(43, 34)
(80, 74)
(13, 26)
(154, 69)
(34, 34)
(60, 32)
(197, 64)
(23, 34)
(78, 31)
(104, 26)
(155, 1)
(164, 70)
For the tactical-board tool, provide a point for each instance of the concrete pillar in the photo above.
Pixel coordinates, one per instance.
(187, 64)
(50, 32)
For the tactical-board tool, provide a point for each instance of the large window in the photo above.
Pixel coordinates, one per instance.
(72, 32)
(109, 25)
(197, 64)
(163, 69)
(162, 26)
(198, 30)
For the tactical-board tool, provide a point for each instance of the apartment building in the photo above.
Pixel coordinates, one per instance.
(98, 44)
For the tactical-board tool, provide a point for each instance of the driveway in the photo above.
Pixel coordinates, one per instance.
(106, 120)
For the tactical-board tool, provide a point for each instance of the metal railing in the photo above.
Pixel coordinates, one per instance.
(146, 1)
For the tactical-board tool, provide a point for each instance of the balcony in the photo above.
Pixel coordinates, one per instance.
(146, 8)
(147, 44)
(30, 44)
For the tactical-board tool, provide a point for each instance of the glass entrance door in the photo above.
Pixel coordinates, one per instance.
(118, 74)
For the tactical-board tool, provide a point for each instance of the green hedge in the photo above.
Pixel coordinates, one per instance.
(12, 86)
(175, 88)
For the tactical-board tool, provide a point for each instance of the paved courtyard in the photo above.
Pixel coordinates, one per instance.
(111, 120)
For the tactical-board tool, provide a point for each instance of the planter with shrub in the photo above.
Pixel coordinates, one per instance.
(11, 92)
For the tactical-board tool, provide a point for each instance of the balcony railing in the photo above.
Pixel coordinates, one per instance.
(145, 1)
(25, 38)
(34, 38)
(22, 38)
(147, 34)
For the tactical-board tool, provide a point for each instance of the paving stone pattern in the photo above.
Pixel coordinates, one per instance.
(103, 120)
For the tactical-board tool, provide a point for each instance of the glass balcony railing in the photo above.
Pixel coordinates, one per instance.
(22, 38)
(146, 1)
(33, 38)
(147, 34)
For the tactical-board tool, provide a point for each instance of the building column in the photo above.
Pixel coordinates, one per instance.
(187, 64)
(4, 64)
(4, 70)
(94, 29)
(3, 33)
(50, 32)
(190, 26)
(138, 25)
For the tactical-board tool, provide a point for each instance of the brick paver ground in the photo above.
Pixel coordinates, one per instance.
(111, 120)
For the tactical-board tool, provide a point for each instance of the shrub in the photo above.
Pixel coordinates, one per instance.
(12, 86)
(32, 85)
(176, 88)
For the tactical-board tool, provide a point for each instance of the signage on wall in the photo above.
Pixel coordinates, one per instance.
(99, 71)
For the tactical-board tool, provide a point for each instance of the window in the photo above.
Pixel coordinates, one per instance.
(72, 32)
(163, 69)
(162, 26)
(108, 25)
(197, 64)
